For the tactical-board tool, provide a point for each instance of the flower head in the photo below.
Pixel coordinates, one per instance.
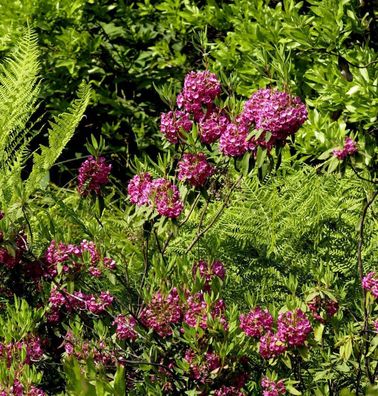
(233, 142)
(212, 126)
(93, 173)
(165, 197)
(194, 169)
(256, 322)
(200, 88)
(272, 388)
(173, 123)
(350, 148)
(139, 189)
(370, 283)
(293, 327)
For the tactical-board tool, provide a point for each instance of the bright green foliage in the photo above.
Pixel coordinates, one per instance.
(287, 226)
(19, 88)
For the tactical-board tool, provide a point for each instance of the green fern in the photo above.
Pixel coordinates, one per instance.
(60, 132)
(19, 89)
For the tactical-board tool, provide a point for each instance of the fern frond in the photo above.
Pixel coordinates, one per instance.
(60, 132)
(19, 89)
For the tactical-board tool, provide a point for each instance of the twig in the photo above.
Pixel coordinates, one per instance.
(360, 177)
(215, 218)
(191, 210)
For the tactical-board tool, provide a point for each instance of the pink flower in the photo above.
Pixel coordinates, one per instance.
(273, 388)
(194, 169)
(197, 311)
(161, 313)
(200, 88)
(350, 148)
(93, 173)
(228, 391)
(212, 126)
(271, 346)
(376, 325)
(173, 123)
(370, 283)
(322, 309)
(125, 328)
(165, 197)
(34, 391)
(139, 189)
(275, 112)
(109, 263)
(233, 141)
(293, 327)
(256, 322)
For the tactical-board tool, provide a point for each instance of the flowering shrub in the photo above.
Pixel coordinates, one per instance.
(228, 278)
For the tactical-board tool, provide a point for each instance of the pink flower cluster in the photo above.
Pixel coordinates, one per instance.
(269, 111)
(139, 189)
(293, 328)
(11, 351)
(200, 367)
(233, 142)
(17, 389)
(376, 325)
(125, 327)
(70, 256)
(78, 301)
(162, 312)
(93, 173)
(323, 308)
(200, 89)
(197, 310)
(256, 322)
(83, 349)
(370, 283)
(159, 193)
(208, 272)
(194, 169)
(350, 148)
(212, 126)
(196, 100)
(173, 123)
(271, 345)
(228, 391)
(272, 388)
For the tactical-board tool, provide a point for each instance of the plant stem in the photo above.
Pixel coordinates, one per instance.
(215, 218)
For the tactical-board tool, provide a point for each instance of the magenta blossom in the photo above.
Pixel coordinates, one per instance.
(271, 346)
(162, 312)
(194, 169)
(125, 327)
(233, 142)
(293, 327)
(350, 148)
(139, 189)
(93, 173)
(165, 197)
(212, 126)
(200, 88)
(256, 322)
(370, 283)
(173, 123)
(274, 111)
(272, 388)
